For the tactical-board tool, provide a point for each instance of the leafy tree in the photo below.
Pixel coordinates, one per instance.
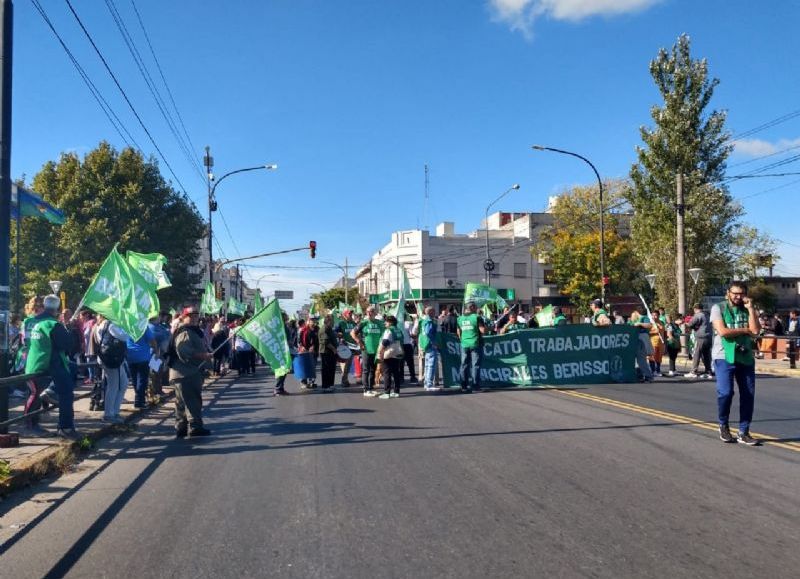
(764, 296)
(109, 197)
(572, 244)
(687, 140)
(330, 299)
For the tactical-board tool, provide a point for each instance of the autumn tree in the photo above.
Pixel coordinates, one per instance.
(572, 243)
(108, 197)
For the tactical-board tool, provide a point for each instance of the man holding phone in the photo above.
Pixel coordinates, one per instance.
(735, 327)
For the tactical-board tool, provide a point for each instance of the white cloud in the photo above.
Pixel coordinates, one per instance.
(760, 148)
(520, 14)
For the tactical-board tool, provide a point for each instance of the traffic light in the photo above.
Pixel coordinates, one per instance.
(222, 292)
(312, 247)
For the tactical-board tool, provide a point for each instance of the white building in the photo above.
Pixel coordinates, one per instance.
(438, 266)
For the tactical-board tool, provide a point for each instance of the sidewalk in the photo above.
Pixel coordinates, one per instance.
(36, 457)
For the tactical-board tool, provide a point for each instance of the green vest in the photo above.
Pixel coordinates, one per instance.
(597, 314)
(371, 332)
(559, 320)
(515, 327)
(41, 349)
(738, 350)
(468, 324)
(675, 340)
(422, 335)
(397, 334)
(27, 328)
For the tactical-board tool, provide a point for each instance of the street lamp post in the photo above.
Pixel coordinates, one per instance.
(346, 280)
(208, 161)
(603, 278)
(488, 264)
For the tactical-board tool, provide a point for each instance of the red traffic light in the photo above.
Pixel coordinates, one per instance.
(312, 246)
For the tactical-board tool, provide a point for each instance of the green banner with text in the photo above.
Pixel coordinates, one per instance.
(565, 355)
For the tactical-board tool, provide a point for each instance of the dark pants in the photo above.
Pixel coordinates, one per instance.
(471, 367)
(392, 374)
(219, 356)
(33, 403)
(280, 382)
(243, 361)
(251, 362)
(140, 375)
(328, 369)
(408, 359)
(702, 350)
(65, 389)
(188, 402)
(745, 377)
(368, 368)
(672, 352)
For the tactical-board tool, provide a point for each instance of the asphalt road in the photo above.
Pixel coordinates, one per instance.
(607, 481)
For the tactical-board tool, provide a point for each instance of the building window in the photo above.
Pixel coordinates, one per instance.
(520, 269)
(450, 270)
(549, 277)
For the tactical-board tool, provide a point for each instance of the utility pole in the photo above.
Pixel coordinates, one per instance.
(346, 281)
(681, 250)
(208, 161)
(6, 54)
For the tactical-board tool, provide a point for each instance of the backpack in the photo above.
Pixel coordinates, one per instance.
(111, 350)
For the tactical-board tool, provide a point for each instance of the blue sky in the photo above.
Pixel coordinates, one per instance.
(351, 100)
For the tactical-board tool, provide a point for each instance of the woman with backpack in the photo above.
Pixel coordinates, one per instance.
(110, 345)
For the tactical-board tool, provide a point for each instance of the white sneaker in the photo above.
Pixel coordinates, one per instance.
(394, 395)
(385, 396)
(691, 375)
(704, 377)
(670, 373)
(370, 394)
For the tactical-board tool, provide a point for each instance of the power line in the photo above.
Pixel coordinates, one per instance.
(148, 80)
(112, 117)
(124, 95)
(767, 125)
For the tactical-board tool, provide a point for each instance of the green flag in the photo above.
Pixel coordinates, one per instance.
(405, 294)
(210, 304)
(545, 317)
(258, 305)
(267, 334)
(312, 312)
(482, 294)
(358, 308)
(122, 295)
(236, 308)
(151, 267)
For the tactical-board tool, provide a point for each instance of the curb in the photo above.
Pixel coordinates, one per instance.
(49, 460)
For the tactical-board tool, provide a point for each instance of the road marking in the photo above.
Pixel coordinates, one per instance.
(765, 438)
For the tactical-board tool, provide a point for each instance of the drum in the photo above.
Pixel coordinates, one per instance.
(343, 353)
(303, 365)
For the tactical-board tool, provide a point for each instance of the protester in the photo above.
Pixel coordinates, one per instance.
(642, 323)
(793, 331)
(368, 336)
(328, 342)
(187, 356)
(89, 356)
(280, 389)
(559, 319)
(513, 324)
(110, 343)
(138, 357)
(242, 349)
(657, 340)
(390, 352)
(345, 326)
(429, 346)
(408, 351)
(599, 314)
(471, 329)
(309, 346)
(221, 347)
(735, 327)
(673, 340)
(49, 344)
(703, 333)
(617, 317)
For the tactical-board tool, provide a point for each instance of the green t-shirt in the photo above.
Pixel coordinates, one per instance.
(470, 335)
(345, 326)
(559, 320)
(371, 332)
(597, 314)
(515, 327)
(641, 320)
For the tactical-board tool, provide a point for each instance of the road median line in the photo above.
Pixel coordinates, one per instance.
(678, 418)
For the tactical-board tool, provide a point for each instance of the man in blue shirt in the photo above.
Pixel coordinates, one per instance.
(138, 356)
